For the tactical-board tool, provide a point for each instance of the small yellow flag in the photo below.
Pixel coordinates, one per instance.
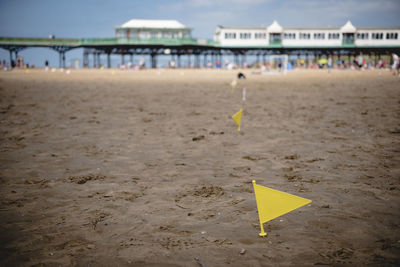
(233, 84)
(238, 118)
(273, 203)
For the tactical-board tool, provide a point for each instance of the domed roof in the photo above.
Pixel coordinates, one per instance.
(158, 24)
(275, 27)
(348, 27)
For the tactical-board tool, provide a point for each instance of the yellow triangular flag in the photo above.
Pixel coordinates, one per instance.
(233, 84)
(273, 203)
(238, 118)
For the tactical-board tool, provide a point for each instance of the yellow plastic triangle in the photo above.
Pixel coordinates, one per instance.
(237, 117)
(233, 84)
(273, 203)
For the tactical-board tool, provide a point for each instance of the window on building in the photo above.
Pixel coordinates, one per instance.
(319, 36)
(230, 35)
(391, 35)
(245, 35)
(275, 37)
(362, 35)
(289, 36)
(134, 34)
(120, 33)
(333, 36)
(260, 35)
(305, 36)
(377, 36)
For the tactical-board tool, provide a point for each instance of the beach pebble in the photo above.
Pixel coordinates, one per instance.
(211, 239)
(198, 138)
(203, 232)
(242, 251)
(90, 246)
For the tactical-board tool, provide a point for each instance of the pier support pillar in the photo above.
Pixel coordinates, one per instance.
(94, 60)
(108, 61)
(153, 61)
(85, 59)
(10, 58)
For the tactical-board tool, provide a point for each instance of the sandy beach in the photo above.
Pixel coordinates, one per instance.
(147, 168)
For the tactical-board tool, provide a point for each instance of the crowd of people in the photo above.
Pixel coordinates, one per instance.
(19, 63)
(358, 63)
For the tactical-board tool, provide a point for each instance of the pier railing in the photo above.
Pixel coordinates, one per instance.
(103, 42)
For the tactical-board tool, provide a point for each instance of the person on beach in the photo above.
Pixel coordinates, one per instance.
(395, 66)
(329, 63)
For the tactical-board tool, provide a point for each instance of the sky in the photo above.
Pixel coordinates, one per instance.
(97, 18)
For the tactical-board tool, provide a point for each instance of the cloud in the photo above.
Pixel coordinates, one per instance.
(225, 3)
(204, 15)
(214, 4)
(315, 12)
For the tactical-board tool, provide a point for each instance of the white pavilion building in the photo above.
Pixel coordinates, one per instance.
(297, 37)
(152, 29)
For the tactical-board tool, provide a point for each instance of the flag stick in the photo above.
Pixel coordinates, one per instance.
(262, 233)
(243, 103)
